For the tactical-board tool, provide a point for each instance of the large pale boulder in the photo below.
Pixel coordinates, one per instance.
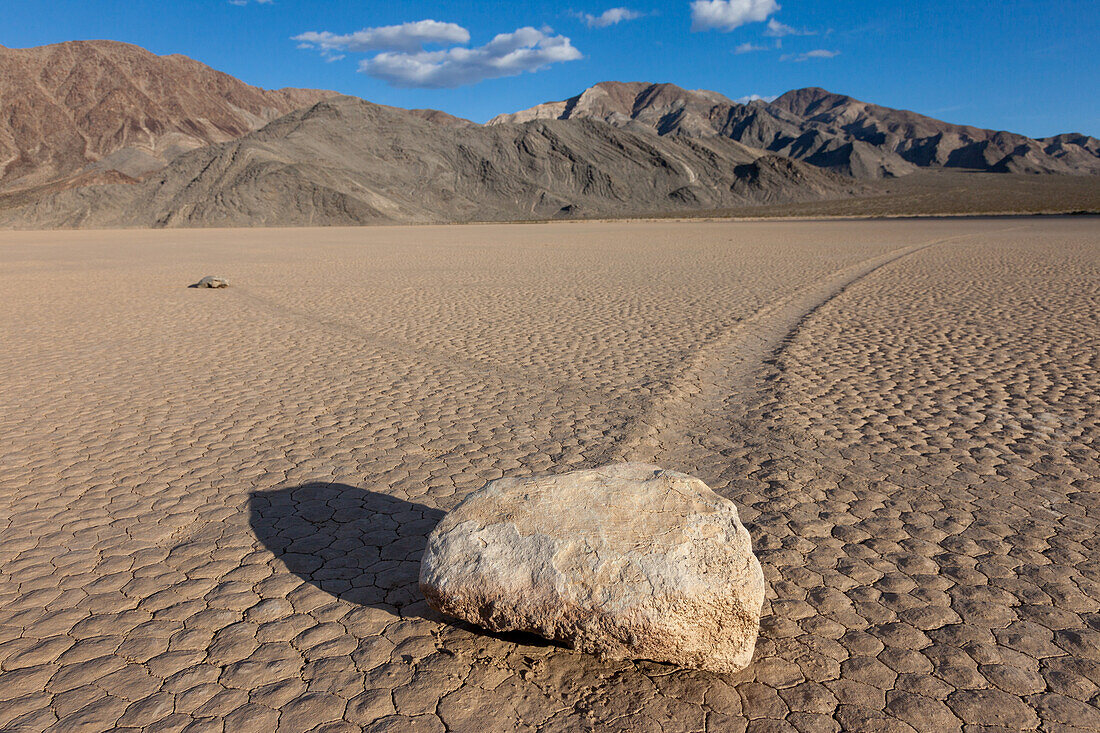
(625, 561)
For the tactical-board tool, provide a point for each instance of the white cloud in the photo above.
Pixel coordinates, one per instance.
(749, 48)
(754, 98)
(729, 14)
(819, 53)
(245, 2)
(508, 54)
(613, 16)
(778, 30)
(407, 37)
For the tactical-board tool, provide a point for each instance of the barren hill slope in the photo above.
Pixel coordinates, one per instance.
(347, 161)
(828, 130)
(115, 107)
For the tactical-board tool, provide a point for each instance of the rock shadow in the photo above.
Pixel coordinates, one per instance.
(359, 545)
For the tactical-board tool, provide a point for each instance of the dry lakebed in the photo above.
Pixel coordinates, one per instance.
(214, 502)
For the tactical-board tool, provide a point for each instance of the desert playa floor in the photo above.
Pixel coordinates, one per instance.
(213, 503)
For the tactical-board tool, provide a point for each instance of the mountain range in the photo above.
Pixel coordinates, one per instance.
(100, 133)
(828, 130)
(346, 161)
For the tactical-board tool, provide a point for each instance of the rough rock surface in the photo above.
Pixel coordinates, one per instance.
(624, 561)
(213, 281)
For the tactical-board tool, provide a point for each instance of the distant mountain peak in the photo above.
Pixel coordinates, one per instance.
(830, 130)
(103, 105)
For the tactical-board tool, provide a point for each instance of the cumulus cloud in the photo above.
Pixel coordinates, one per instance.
(819, 53)
(245, 2)
(402, 57)
(407, 37)
(749, 48)
(778, 30)
(754, 98)
(612, 16)
(508, 54)
(729, 14)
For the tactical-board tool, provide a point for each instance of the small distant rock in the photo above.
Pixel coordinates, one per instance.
(213, 281)
(628, 561)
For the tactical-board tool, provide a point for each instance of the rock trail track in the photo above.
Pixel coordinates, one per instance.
(213, 504)
(376, 339)
(721, 371)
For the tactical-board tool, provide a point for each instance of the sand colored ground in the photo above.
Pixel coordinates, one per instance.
(213, 503)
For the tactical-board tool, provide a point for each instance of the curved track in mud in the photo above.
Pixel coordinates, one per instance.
(720, 371)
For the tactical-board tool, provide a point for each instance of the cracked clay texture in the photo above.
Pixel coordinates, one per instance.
(213, 503)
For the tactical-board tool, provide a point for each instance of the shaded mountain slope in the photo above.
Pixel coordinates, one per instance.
(347, 161)
(105, 105)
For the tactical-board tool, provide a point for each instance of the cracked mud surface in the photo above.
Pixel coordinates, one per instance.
(213, 503)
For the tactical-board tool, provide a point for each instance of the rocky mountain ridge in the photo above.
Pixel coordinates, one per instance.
(831, 131)
(74, 109)
(346, 161)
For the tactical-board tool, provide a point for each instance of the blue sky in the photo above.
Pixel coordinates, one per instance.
(1029, 66)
